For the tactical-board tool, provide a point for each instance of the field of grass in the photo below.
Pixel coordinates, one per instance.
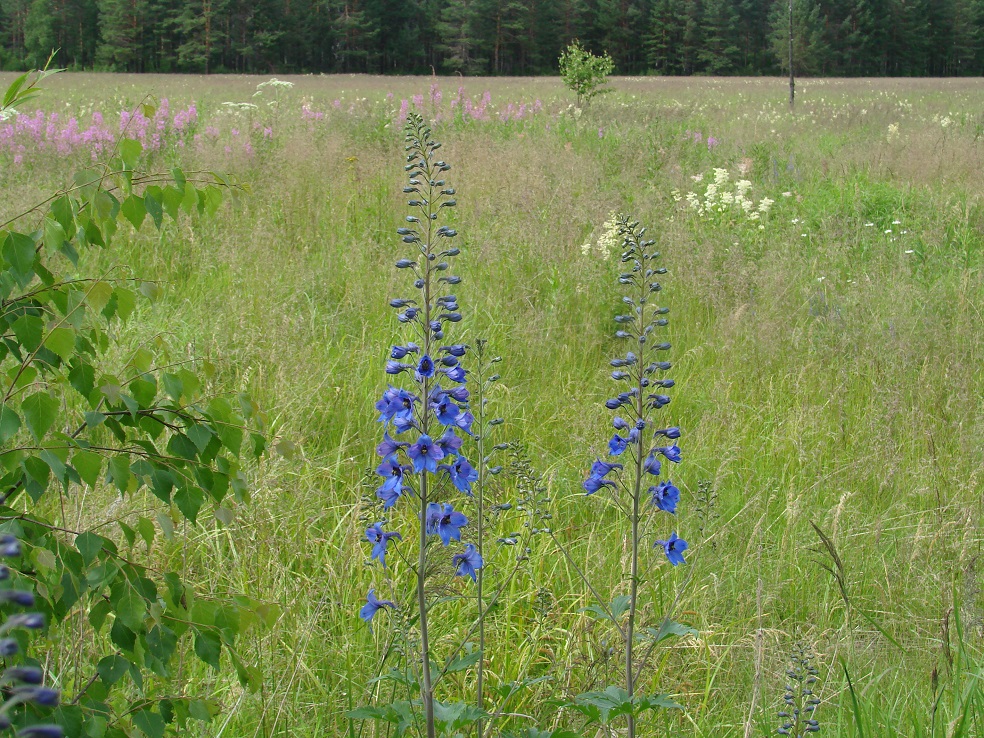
(829, 361)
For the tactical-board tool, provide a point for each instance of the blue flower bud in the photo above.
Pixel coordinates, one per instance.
(397, 367)
(41, 731)
(455, 350)
(623, 334)
(8, 647)
(661, 347)
(30, 620)
(659, 401)
(617, 376)
(9, 546)
(24, 674)
(405, 264)
(40, 696)
(18, 597)
(619, 424)
(613, 404)
(419, 284)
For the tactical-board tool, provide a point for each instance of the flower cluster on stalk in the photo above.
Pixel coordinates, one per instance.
(429, 415)
(643, 369)
(21, 685)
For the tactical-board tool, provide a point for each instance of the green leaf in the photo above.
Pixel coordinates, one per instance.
(112, 668)
(88, 464)
(208, 647)
(119, 471)
(131, 609)
(40, 413)
(54, 234)
(130, 150)
(89, 545)
(189, 500)
(154, 209)
(9, 423)
(145, 526)
(464, 662)
(151, 724)
(669, 629)
(134, 210)
(99, 295)
(29, 331)
(19, 251)
(82, 377)
(55, 463)
(61, 340)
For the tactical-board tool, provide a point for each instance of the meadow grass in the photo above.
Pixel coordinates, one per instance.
(829, 368)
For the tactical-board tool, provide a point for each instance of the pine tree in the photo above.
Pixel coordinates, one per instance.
(120, 24)
(718, 53)
(665, 38)
(39, 33)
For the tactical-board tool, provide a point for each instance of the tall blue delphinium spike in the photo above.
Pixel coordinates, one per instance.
(427, 419)
(641, 444)
(21, 684)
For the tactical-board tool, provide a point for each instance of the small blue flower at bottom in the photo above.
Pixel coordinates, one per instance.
(468, 562)
(373, 606)
(674, 548)
(379, 540)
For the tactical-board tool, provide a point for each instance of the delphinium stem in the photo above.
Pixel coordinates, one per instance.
(428, 687)
(480, 504)
(639, 376)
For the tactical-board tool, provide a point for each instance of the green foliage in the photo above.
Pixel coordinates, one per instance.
(83, 416)
(603, 707)
(584, 73)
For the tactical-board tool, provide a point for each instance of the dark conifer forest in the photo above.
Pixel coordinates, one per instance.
(496, 37)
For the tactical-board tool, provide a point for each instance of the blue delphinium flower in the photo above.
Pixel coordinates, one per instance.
(617, 445)
(468, 563)
(425, 454)
(672, 453)
(372, 606)
(462, 474)
(674, 548)
(379, 539)
(445, 522)
(596, 477)
(665, 496)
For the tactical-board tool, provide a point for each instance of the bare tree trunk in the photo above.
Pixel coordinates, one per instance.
(792, 82)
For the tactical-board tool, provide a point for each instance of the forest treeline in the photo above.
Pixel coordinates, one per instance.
(497, 37)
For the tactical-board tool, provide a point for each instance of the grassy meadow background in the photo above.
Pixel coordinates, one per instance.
(829, 361)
